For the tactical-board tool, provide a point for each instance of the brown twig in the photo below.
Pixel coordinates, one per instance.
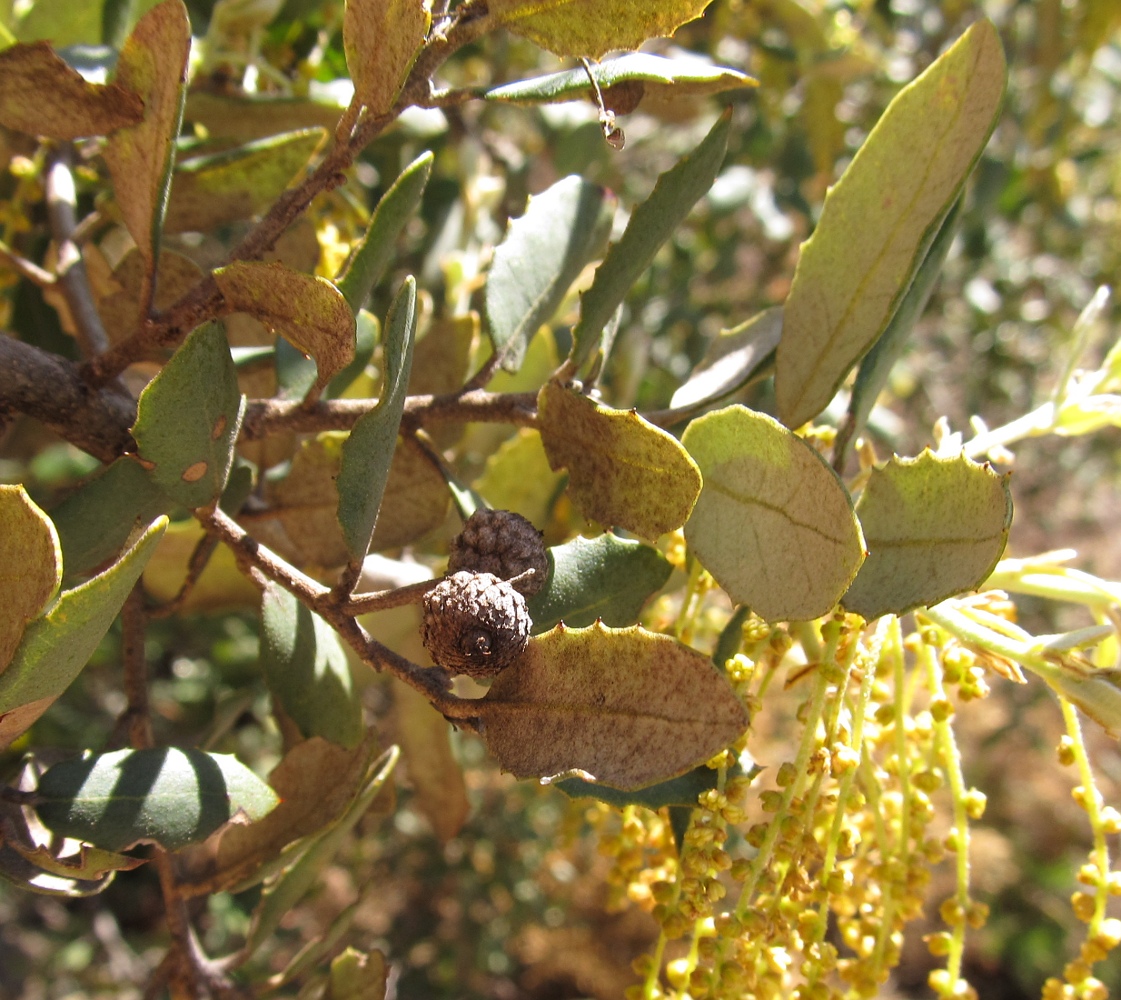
(72, 277)
(25, 268)
(382, 600)
(137, 717)
(200, 559)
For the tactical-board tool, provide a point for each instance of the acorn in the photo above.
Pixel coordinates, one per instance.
(475, 623)
(502, 543)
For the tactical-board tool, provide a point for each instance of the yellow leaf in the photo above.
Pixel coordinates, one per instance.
(382, 39)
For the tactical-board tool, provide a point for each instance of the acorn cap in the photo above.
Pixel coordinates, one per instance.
(475, 623)
(502, 543)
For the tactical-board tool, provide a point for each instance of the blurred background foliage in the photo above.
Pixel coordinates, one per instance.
(520, 902)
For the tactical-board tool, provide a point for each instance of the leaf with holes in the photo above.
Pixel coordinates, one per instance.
(623, 471)
(628, 707)
(934, 527)
(188, 417)
(773, 524)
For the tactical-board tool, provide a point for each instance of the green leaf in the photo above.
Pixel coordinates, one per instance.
(366, 332)
(30, 566)
(152, 64)
(650, 225)
(880, 218)
(735, 358)
(606, 577)
(593, 27)
(368, 452)
(544, 251)
(95, 521)
(681, 791)
(627, 707)
(652, 76)
(358, 975)
(307, 311)
(934, 527)
(306, 670)
(877, 364)
(623, 471)
(220, 188)
(773, 524)
(382, 39)
(41, 95)
(396, 207)
(62, 21)
(168, 796)
(25, 874)
(188, 417)
(55, 647)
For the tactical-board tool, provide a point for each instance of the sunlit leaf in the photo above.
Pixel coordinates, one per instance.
(358, 975)
(167, 796)
(544, 251)
(623, 471)
(606, 577)
(934, 527)
(221, 587)
(629, 707)
(41, 95)
(306, 669)
(382, 39)
(773, 524)
(152, 64)
(307, 311)
(880, 218)
(30, 566)
(594, 27)
(188, 417)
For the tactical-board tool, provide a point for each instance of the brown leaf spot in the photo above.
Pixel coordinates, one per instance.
(193, 473)
(219, 428)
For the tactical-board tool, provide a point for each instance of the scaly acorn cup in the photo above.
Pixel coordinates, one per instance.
(503, 543)
(475, 624)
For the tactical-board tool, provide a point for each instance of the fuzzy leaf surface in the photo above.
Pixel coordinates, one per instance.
(627, 706)
(623, 471)
(168, 796)
(592, 28)
(382, 39)
(306, 669)
(188, 417)
(307, 311)
(30, 566)
(934, 527)
(654, 75)
(773, 524)
(650, 225)
(606, 577)
(153, 65)
(54, 648)
(214, 190)
(544, 251)
(879, 219)
(40, 94)
(368, 452)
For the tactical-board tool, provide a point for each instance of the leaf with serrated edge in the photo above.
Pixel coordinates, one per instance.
(880, 217)
(592, 28)
(650, 225)
(368, 452)
(934, 527)
(382, 39)
(188, 417)
(55, 647)
(152, 64)
(623, 471)
(306, 669)
(627, 706)
(733, 359)
(41, 95)
(544, 251)
(606, 577)
(216, 189)
(307, 311)
(167, 796)
(656, 75)
(30, 566)
(773, 524)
